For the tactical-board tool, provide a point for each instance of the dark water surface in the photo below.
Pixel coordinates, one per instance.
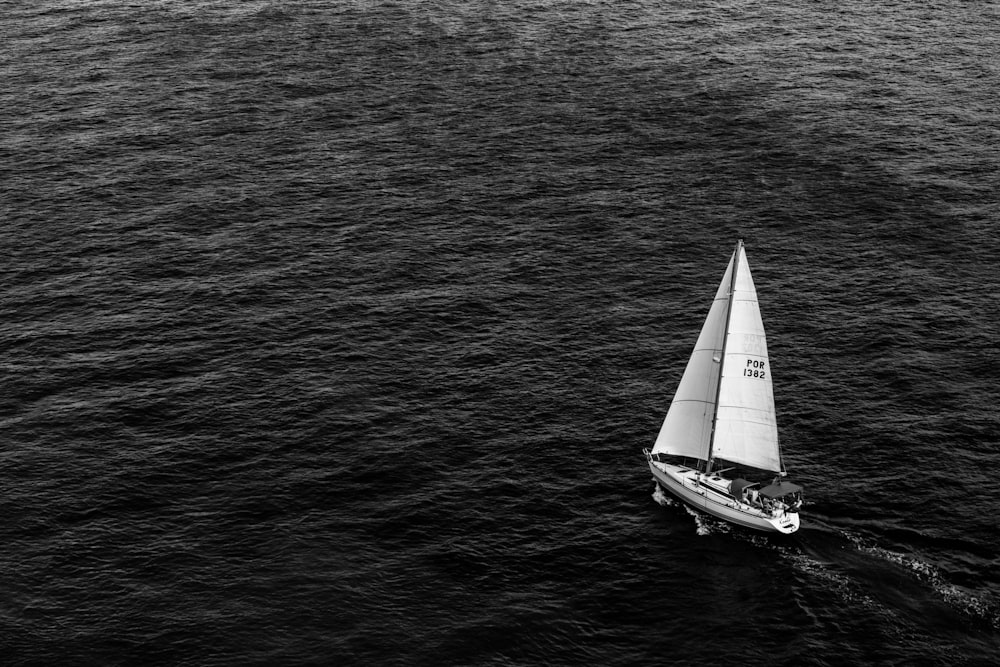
(331, 333)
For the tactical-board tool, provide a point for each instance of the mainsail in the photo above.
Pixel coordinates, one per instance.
(734, 420)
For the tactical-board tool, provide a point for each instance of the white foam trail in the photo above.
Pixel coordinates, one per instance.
(925, 572)
(842, 585)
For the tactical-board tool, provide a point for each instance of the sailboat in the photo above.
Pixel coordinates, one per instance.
(721, 430)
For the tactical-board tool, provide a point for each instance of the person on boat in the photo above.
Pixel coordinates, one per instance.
(796, 502)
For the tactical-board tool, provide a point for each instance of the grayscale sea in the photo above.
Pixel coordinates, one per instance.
(331, 332)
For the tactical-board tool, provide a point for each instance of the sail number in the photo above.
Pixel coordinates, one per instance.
(754, 369)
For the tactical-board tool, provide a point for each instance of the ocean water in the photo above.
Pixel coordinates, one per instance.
(332, 332)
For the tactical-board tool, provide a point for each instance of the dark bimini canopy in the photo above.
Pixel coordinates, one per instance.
(779, 489)
(737, 486)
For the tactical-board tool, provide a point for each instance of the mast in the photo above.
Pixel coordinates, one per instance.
(722, 354)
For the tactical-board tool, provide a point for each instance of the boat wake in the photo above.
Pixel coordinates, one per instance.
(954, 596)
(884, 582)
(848, 590)
(871, 577)
(867, 576)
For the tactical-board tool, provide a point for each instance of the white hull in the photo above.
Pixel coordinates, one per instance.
(688, 486)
